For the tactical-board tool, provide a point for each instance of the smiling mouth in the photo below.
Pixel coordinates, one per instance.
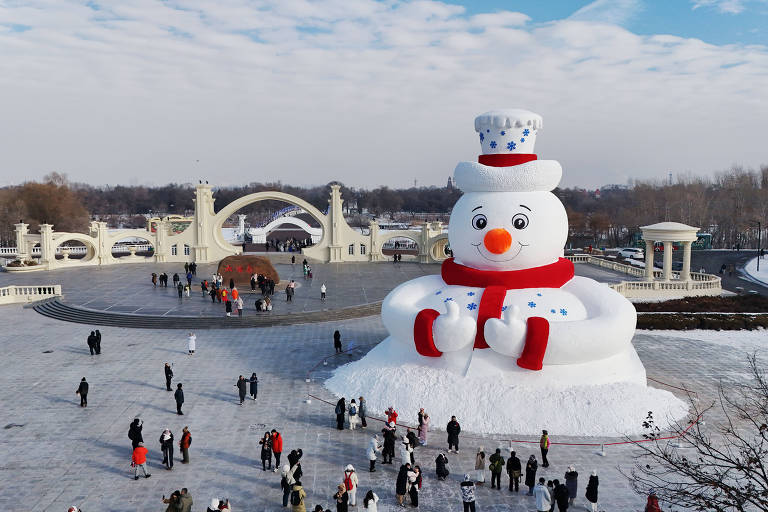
(520, 248)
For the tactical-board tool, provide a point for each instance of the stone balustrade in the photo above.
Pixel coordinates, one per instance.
(17, 294)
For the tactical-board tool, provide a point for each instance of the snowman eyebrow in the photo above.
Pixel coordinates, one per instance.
(526, 207)
(477, 208)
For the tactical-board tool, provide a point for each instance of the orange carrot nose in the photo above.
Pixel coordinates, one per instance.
(498, 241)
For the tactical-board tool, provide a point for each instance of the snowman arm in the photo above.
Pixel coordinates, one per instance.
(399, 309)
(607, 330)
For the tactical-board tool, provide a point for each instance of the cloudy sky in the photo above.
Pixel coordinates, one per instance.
(375, 92)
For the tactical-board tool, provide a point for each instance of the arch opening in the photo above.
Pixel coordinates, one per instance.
(405, 247)
(133, 246)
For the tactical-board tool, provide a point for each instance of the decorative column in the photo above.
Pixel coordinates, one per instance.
(649, 260)
(685, 274)
(162, 248)
(667, 269)
(22, 230)
(373, 243)
(203, 231)
(336, 221)
(47, 250)
(241, 226)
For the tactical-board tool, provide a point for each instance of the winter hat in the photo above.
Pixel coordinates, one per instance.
(466, 476)
(349, 467)
(508, 162)
(594, 472)
(391, 424)
(214, 503)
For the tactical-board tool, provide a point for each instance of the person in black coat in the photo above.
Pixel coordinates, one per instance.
(179, 397)
(266, 451)
(166, 445)
(513, 470)
(241, 388)
(97, 338)
(591, 494)
(561, 496)
(453, 430)
(530, 473)
(389, 444)
(254, 380)
(92, 342)
(341, 409)
(413, 440)
(441, 466)
(168, 376)
(337, 341)
(82, 390)
(401, 485)
(134, 433)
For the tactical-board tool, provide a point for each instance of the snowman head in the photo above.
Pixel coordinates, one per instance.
(507, 230)
(507, 218)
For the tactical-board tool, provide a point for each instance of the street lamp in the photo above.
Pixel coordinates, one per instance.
(759, 240)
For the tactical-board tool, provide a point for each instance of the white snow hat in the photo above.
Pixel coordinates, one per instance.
(508, 163)
(349, 467)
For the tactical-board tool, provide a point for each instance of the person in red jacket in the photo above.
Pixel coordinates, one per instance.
(653, 503)
(139, 460)
(391, 415)
(184, 444)
(277, 447)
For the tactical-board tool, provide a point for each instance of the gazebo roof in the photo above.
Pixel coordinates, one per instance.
(669, 232)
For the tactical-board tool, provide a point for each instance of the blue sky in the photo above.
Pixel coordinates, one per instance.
(376, 92)
(716, 22)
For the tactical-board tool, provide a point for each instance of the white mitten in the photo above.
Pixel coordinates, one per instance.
(453, 331)
(506, 335)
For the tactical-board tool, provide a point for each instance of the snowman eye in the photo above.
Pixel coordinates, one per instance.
(479, 221)
(520, 221)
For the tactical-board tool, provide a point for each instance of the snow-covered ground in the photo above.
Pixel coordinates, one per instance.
(751, 269)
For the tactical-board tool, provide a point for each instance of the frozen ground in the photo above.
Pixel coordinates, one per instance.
(751, 269)
(53, 453)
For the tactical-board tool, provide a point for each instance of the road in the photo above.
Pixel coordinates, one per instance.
(713, 260)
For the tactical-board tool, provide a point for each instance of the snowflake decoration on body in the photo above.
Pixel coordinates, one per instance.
(471, 306)
(504, 308)
(538, 294)
(482, 137)
(503, 132)
(451, 298)
(470, 293)
(438, 292)
(552, 311)
(493, 144)
(522, 140)
(511, 146)
(526, 132)
(531, 304)
(563, 311)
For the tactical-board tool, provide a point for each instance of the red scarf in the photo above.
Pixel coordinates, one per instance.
(496, 284)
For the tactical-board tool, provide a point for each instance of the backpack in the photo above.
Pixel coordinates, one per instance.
(295, 498)
(496, 466)
(352, 410)
(348, 482)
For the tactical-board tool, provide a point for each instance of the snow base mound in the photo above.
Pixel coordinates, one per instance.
(500, 402)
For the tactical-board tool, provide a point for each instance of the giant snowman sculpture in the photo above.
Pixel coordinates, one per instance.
(506, 337)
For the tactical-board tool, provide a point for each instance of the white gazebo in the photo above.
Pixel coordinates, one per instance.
(668, 232)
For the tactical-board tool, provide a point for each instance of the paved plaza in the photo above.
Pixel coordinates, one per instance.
(54, 453)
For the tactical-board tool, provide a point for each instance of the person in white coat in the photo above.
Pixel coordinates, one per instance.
(405, 452)
(373, 447)
(350, 482)
(370, 502)
(191, 341)
(543, 499)
(354, 414)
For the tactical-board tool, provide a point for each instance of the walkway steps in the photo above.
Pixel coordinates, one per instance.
(62, 311)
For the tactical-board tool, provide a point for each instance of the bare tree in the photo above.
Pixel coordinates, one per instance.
(724, 470)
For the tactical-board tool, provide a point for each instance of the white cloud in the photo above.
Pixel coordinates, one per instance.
(608, 11)
(367, 92)
(724, 6)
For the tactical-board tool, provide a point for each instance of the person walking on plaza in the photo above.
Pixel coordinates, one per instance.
(184, 444)
(401, 484)
(97, 335)
(353, 418)
(572, 483)
(266, 451)
(168, 376)
(277, 447)
(480, 466)
(496, 467)
(92, 342)
(543, 499)
(139, 460)
(468, 494)
(370, 502)
(454, 429)
(285, 484)
(175, 280)
(154, 280)
(441, 466)
(166, 445)
(390, 437)
(189, 279)
(414, 485)
(82, 390)
(362, 411)
(186, 267)
(241, 388)
(405, 451)
(191, 342)
(179, 397)
(544, 445)
(185, 501)
(423, 429)
(322, 291)
(341, 408)
(373, 447)
(513, 470)
(350, 482)
(337, 341)
(254, 382)
(298, 495)
(561, 496)
(530, 473)
(591, 494)
(342, 499)
(239, 305)
(290, 290)
(134, 433)
(227, 302)
(180, 289)
(204, 287)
